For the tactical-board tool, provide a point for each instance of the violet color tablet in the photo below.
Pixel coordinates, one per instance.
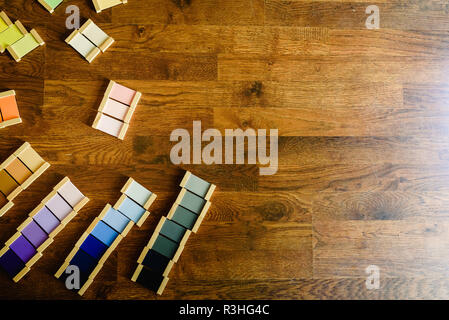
(46, 220)
(23, 248)
(11, 263)
(34, 234)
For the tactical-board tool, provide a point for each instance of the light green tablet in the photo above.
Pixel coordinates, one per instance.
(3, 25)
(10, 36)
(25, 45)
(50, 5)
(5, 22)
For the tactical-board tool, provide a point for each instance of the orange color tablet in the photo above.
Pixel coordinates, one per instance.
(8, 108)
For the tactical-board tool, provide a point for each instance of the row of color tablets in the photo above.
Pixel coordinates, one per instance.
(171, 234)
(116, 110)
(16, 39)
(9, 111)
(106, 232)
(89, 40)
(25, 248)
(17, 172)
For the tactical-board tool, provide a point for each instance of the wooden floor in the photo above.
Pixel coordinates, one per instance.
(363, 150)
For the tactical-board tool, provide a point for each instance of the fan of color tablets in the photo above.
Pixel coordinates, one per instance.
(34, 235)
(50, 217)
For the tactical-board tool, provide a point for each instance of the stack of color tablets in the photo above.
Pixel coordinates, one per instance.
(9, 111)
(25, 248)
(16, 39)
(116, 110)
(172, 233)
(89, 40)
(106, 4)
(106, 232)
(17, 173)
(50, 5)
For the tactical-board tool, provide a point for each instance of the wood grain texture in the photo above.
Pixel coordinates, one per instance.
(363, 143)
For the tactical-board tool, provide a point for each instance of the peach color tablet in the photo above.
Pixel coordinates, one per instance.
(18, 171)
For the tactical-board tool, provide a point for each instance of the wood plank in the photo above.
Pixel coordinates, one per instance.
(146, 66)
(363, 150)
(275, 40)
(217, 94)
(388, 42)
(357, 177)
(339, 68)
(380, 122)
(389, 205)
(396, 14)
(212, 39)
(398, 248)
(211, 12)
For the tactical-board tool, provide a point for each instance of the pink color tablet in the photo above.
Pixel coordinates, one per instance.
(122, 94)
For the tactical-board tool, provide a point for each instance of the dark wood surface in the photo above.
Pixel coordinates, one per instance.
(363, 150)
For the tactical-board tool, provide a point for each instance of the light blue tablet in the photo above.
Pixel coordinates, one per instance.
(131, 209)
(104, 233)
(138, 193)
(116, 220)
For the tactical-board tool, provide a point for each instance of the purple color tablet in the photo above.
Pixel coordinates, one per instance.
(24, 250)
(46, 220)
(11, 263)
(34, 234)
